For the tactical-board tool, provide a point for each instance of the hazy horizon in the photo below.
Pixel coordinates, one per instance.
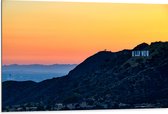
(35, 72)
(38, 64)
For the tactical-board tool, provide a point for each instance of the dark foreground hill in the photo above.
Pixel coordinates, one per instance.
(104, 80)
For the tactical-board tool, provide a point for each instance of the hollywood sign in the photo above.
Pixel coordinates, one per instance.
(138, 53)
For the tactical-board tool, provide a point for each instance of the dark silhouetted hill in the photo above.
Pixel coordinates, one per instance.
(104, 80)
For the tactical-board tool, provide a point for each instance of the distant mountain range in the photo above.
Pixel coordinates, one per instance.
(104, 80)
(38, 65)
(34, 72)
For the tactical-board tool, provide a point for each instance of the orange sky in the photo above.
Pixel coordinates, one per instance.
(59, 32)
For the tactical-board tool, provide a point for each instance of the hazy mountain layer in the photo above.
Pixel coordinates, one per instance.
(34, 72)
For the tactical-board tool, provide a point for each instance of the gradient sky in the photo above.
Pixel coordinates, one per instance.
(62, 32)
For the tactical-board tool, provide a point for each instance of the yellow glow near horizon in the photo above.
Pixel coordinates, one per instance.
(103, 1)
(64, 32)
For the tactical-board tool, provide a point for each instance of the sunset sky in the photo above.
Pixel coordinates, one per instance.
(68, 32)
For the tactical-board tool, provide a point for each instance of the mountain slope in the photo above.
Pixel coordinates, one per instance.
(104, 80)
